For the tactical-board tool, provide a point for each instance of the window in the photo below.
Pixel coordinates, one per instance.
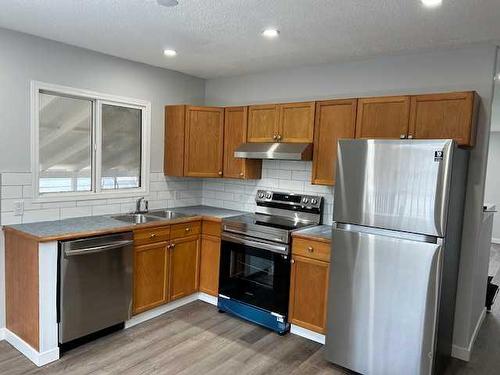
(88, 144)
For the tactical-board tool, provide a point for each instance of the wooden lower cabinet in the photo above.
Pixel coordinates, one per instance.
(150, 276)
(184, 263)
(308, 293)
(209, 264)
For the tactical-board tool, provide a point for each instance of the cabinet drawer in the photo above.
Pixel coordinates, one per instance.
(212, 228)
(151, 235)
(185, 229)
(311, 249)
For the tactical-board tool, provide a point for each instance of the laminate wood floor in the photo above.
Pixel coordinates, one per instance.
(196, 339)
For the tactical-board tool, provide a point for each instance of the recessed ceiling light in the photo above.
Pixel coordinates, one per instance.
(170, 52)
(431, 3)
(167, 3)
(270, 33)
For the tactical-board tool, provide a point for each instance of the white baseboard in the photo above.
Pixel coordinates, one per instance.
(495, 240)
(37, 358)
(2, 334)
(150, 314)
(465, 353)
(307, 333)
(207, 298)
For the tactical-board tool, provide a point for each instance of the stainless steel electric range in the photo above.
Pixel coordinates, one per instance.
(255, 264)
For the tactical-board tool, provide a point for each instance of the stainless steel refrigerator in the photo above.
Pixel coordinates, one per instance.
(395, 253)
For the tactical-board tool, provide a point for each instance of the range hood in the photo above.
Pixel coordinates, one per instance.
(274, 151)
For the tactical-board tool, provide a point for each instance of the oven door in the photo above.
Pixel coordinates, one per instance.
(255, 272)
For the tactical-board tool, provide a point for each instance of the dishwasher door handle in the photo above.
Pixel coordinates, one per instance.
(98, 249)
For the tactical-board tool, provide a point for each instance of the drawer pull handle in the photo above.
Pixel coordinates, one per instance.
(153, 235)
(310, 249)
(172, 246)
(188, 229)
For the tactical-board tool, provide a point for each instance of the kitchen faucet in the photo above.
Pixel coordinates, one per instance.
(138, 206)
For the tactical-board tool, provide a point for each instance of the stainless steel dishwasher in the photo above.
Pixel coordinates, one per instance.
(95, 284)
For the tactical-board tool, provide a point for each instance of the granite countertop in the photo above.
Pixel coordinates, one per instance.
(318, 232)
(95, 225)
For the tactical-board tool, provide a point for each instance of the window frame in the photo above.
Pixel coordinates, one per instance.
(97, 99)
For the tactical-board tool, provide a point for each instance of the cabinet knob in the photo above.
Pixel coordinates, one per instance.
(220, 173)
(402, 136)
(188, 229)
(410, 136)
(279, 137)
(275, 137)
(292, 261)
(152, 235)
(172, 245)
(310, 249)
(242, 174)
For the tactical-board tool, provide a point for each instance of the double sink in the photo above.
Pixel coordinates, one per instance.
(155, 215)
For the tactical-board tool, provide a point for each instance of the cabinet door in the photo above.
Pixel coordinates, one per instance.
(209, 264)
(173, 163)
(308, 293)
(235, 133)
(204, 142)
(184, 254)
(335, 119)
(296, 122)
(384, 117)
(262, 123)
(150, 276)
(444, 116)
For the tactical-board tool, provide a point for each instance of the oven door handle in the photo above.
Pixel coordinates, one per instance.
(280, 249)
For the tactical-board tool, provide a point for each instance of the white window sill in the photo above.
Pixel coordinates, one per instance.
(65, 197)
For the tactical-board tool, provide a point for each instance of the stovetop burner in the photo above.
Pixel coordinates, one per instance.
(278, 214)
(271, 221)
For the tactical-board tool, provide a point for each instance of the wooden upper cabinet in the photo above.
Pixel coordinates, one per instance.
(335, 119)
(184, 270)
(263, 121)
(235, 133)
(203, 150)
(442, 116)
(150, 276)
(383, 117)
(296, 123)
(173, 163)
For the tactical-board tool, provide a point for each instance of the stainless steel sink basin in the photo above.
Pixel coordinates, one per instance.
(165, 214)
(135, 218)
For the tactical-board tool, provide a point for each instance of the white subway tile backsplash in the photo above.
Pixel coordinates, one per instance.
(301, 175)
(48, 214)
(294, 176)
(8, 192)
(9, 179)
(291, 185)
(8, 218)
(67, 213)
(28, 191)
(168, 192)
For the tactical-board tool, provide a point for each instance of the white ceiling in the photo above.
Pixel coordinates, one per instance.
(217, 38)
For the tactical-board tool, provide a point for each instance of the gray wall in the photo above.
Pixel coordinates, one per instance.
(24, 58)
(493, 178)
(468, 68)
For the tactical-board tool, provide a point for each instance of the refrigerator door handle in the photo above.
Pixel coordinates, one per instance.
(390, 233)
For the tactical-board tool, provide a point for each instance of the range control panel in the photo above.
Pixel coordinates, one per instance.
(289, 200)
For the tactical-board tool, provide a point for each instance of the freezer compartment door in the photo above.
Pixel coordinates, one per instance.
(382, 303)
(392, 184)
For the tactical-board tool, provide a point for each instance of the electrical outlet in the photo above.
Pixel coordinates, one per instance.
(18, 208)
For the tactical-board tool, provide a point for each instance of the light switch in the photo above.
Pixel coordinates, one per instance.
(18, 208)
